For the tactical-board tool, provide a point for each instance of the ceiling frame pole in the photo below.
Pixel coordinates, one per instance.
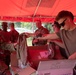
(37, 7)
(35, 13)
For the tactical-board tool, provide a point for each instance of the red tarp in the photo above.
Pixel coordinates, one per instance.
(30, 10)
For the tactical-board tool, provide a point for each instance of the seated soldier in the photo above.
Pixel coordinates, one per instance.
(14, 33)
(5, 45)
(38, 33)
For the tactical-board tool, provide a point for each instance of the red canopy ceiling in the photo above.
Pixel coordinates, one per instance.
(30, 10)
